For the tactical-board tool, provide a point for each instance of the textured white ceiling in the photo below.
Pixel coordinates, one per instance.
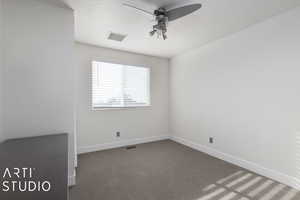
(95, 19)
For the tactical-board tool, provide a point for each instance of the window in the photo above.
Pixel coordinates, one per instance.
(117, 86)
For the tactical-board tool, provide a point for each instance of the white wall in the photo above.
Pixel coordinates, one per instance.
(39, 52)
(96, 128)
(243, 90)
(1, 73)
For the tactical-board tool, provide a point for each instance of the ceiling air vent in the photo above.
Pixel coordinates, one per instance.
(116, 37)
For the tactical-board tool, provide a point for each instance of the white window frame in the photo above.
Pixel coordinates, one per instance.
(118, 108)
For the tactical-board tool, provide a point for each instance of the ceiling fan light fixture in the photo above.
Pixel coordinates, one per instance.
(152, 32)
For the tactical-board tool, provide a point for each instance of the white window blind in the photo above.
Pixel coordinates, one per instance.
(115, 85)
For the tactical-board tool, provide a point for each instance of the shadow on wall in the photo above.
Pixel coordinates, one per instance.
(244, 185)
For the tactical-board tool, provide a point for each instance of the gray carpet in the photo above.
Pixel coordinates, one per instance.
(166, 170)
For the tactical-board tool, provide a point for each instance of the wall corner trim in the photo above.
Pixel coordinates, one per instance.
(277, 176)
(72, 179)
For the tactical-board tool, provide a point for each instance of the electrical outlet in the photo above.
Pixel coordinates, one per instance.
(211, 140)
(118, 134)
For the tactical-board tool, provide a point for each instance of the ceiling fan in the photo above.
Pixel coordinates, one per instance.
(162, 16)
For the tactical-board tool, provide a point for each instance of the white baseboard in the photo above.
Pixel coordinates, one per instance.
(277, 176)
(100, 147)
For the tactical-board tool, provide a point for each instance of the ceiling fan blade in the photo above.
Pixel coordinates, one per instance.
(182, 11)
(139, 9)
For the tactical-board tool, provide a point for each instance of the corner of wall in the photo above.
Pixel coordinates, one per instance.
(169, 97)
(1, 73)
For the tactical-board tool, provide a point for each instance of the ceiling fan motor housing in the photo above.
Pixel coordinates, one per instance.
(160, 12)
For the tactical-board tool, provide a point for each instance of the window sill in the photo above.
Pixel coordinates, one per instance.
(118, 108)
